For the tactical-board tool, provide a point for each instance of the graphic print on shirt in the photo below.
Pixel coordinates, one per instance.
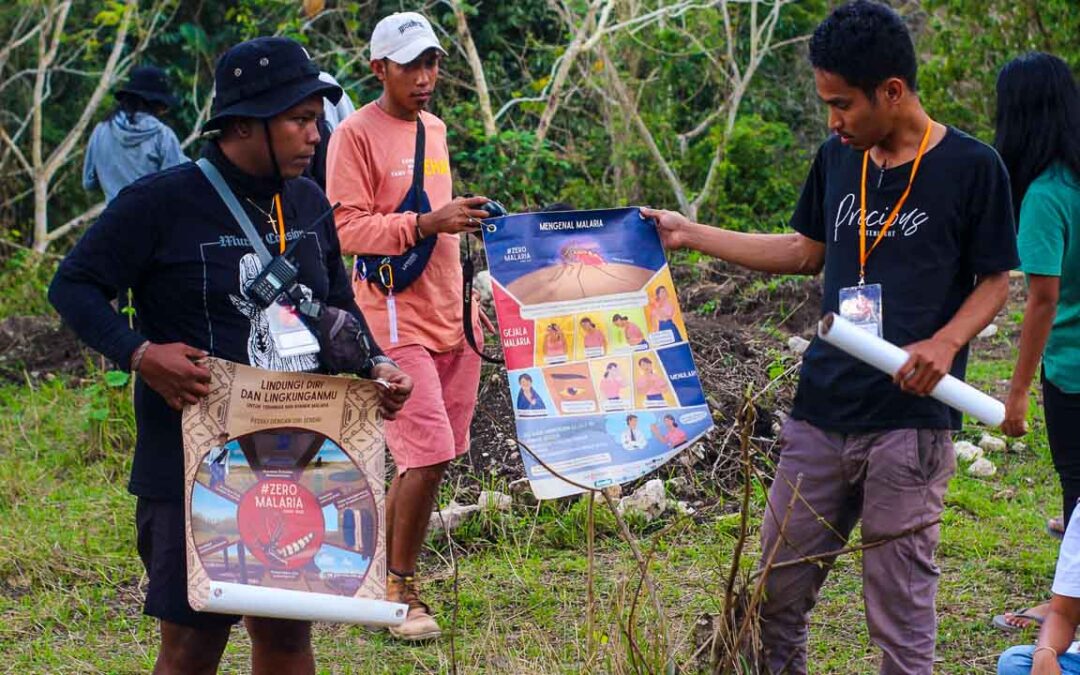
(262, 352)
(847, 215)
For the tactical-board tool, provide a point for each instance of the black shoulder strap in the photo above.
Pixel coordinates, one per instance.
(467, 273)
(418, 164)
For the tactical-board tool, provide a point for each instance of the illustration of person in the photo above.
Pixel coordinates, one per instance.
(671, 435)
(612, 383)
(528, 398)
(554, 343)
(650, 383)
(632, 439)
(594, 340)
(631, 332)
(662, 312)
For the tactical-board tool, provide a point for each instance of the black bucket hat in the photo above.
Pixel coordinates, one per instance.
(150, 84)
(264, 77)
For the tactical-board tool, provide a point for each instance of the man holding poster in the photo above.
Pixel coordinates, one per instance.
(174, 239)
(912, 223)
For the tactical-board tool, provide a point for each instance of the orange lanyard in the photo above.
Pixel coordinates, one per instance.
(280, 223)
(864, 254)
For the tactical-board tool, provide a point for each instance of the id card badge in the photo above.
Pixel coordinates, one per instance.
(861, 305)
(290, 335)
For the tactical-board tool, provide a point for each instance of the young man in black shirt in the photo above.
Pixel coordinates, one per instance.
(172, 239)
(939, 241)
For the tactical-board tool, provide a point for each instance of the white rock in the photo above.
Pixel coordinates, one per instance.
(494, 501)
(452, 516)
(992, 443)
(649, 500)
(797, 344)
(967, 452)
(1019, 447)
(988, 332)
(684, 508)
(982, 468)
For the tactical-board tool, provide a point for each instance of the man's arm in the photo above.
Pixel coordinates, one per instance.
(1056, 633)
(774, 253)
(931, 359)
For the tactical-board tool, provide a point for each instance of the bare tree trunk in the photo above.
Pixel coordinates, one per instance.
(476, 65)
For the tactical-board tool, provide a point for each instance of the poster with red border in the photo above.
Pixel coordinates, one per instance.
(602, 380)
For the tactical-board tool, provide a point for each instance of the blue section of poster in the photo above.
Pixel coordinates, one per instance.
(602, 381)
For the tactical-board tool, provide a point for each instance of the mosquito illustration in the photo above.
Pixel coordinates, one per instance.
(575, 257)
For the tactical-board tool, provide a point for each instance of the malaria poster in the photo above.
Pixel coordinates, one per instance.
(284, 497)
(602, 381)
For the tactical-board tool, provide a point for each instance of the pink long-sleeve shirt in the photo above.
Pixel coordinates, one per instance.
(369, 170)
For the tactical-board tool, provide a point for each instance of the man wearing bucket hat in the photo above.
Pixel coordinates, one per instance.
(133, 142)
(370, 169)
(172, 239)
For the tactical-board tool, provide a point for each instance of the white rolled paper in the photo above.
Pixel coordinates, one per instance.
(888, 358)
(278, 603)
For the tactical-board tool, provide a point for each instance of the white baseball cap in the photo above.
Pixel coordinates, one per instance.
(402, 37)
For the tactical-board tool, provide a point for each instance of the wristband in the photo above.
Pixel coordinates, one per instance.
(1044, 649)
(137, 355)
(419, 232)
(375, 361)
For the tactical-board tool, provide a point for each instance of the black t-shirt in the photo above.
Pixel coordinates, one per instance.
(957, 223)
(171, 239)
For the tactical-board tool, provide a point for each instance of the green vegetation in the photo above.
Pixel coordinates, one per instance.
(70, 593)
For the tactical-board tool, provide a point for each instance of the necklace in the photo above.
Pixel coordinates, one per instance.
(269, 214)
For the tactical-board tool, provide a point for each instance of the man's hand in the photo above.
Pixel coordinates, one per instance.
(171, 371)
(671, 225)
(929, 361)
(397, 390)
(1016, 408)
(460, 215)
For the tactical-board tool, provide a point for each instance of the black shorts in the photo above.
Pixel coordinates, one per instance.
(160, 526)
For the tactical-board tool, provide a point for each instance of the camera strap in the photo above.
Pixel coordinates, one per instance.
(467, 273)
(238, 212)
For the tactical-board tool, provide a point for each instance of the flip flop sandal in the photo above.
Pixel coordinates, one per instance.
(1001, 624)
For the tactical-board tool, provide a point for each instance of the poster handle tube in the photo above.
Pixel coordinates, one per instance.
(279, 603)
(888, 358)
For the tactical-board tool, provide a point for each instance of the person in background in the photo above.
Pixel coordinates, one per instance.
(335, 113)
(369, 170)
(923, 212)
(1038, 118)
(132, 141)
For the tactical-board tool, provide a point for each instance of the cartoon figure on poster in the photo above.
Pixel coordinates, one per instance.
(650, 385)
(612, 381)
(661, 311)
(669, 432)
(593, 341)
(556, 339)
(626, 330)
(529, 402)
(633, 438)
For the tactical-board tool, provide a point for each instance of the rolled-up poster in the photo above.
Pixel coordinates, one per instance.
(888, 358)
(284, 498)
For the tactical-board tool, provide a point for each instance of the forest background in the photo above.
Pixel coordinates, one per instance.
(706, 106)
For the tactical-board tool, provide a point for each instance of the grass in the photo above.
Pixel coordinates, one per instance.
(70, 581)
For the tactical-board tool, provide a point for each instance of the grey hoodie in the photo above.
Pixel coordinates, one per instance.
(121, 151)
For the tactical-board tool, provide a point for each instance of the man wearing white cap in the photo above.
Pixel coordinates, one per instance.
(387, 213)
